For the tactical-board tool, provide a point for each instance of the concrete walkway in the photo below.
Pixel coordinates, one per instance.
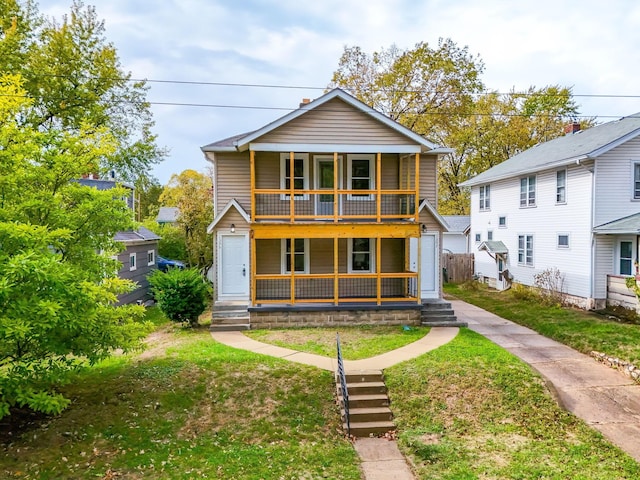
(381, 458)
(604, 398)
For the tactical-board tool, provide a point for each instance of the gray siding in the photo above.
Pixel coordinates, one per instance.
(139, 275)
(336, 122)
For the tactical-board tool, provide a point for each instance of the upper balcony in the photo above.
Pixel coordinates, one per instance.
(302, 187)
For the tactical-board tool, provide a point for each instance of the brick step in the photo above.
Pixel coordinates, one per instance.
(366, 388)
(371, 414)
(365, 401)
(366, 429)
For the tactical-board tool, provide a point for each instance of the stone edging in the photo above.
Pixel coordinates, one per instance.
(629, 369)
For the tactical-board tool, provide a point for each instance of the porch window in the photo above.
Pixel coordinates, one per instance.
(300, 174)
(525, 250)
(132, 262)
(299, 256)
(636, 181)
(561, 186)
(485, 197)
(528, 191)
(362, 255)
(626, 258)
(360, 175)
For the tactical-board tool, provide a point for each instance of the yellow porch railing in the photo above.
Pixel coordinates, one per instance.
(339, 288)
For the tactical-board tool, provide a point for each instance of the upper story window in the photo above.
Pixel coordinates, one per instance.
(299, 255)
(300, 174)
(561, 186)
(502, 222)
(528, 191)
(636, 181)
(489, 235)
(362, 255)
(485, 197)
(132, 262)
(478, 238)
(361, 175)
(525, 250)
(151, 257)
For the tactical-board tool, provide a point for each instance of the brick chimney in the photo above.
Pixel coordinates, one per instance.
(305, 101)
(573, 127)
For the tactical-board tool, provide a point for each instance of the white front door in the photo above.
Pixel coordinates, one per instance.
(429, 265)
(233, 267)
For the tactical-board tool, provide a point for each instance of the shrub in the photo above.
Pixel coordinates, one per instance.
(182, 295)
(551, 285)
(524, 293)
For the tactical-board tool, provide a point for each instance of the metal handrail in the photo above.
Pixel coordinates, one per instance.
(343, 385)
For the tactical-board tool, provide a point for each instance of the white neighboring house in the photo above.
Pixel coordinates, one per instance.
(456, 239)
(572, 203)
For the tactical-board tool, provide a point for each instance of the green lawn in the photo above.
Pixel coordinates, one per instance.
(355, 342)
(579, 329)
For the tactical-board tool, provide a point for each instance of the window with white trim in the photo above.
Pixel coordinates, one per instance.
(563, 240)
(362, 255)
(626, 257)
(300, 174)
(151, 257)
(502, 222)
(478, 237)
(489, 235)
(636, 180)
(528, 191)
(561, 186)
(132, 262)
(361, 175)
(300, 255)
(525, 250)
(485, 197)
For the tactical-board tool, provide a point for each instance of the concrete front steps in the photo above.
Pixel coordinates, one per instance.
(438, 313)
(230, 317)
(369, 410)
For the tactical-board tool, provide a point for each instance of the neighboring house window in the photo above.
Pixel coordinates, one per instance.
(360, 175)
(563, 240)
(561, 186)
(478, 238)
(362, 255)
(132, 261)
(490, 235)
(525, 250)
(626, 259)
(528, 191)
(300, 255)
(502, 222)
(485, 197)
(300, 174)
(151, 257)
(636, 181)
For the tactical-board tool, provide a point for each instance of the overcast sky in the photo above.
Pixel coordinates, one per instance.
(590, 45)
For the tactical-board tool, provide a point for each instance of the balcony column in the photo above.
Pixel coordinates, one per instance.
(335, 187)
(292, 186)
(417, 186)
(252, 168)
(336, 278)
(378, 187)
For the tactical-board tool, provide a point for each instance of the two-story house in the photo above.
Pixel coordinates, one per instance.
(572, 203)
(326, 216)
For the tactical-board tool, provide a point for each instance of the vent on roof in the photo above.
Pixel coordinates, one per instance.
(305, 101)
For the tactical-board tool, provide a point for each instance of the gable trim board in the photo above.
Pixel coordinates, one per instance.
(232, 204)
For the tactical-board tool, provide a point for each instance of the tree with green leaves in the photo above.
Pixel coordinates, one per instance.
(438, 93)
(191, 192)
(58, 281)
(77, 82)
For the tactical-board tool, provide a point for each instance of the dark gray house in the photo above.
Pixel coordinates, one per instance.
(138, 259)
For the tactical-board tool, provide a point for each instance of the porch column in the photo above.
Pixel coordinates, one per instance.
(292, 267)
(252, 273)
(252, 167)
(336, 278)
(378, 241)
(335, 187)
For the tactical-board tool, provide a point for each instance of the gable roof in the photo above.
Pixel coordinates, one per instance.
(426, 204)
(241, 142)
(458, 223)
(494, 246)
(573, 148)
(233, 203)
(141, 234)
